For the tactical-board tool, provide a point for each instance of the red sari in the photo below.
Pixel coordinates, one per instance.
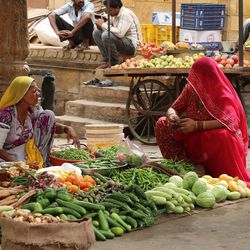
(208, 95)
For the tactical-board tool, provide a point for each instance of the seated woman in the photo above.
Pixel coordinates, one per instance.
(207, 124)
(27, 131)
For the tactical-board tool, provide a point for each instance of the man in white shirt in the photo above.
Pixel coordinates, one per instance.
(125, 33)
(81, 12)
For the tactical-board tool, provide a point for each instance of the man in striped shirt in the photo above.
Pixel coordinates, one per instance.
(125, 33)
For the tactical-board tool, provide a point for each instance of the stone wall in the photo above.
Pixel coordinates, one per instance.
(71, 68)
(144, 9)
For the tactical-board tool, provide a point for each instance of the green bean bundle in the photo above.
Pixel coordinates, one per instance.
(145, 178)
(72, 154)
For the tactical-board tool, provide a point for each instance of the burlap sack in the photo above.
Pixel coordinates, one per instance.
(52, 236)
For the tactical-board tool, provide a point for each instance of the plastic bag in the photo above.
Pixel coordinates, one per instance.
(131, 153)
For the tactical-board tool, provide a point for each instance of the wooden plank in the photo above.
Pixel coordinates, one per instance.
(159, 71)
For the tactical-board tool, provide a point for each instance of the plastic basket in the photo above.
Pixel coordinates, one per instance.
(157, 33)
(202, 16)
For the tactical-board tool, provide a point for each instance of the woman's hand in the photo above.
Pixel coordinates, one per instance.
(173, 118)
(187, 125)
(71, 134)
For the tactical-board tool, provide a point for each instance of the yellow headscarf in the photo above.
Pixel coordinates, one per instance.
(16, 91)
(13, 94)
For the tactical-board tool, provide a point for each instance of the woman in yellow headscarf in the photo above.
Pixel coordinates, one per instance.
(27, 131)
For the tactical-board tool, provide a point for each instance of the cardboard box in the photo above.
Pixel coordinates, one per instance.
(165, 18)
(197, 36)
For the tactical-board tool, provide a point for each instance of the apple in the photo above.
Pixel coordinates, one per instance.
(224, 57)
(230, 61)
(228, 66)
(223, 62)
(217, 58)
(235, 58)
(220, 65)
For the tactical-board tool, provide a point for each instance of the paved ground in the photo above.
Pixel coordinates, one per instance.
(221, 228)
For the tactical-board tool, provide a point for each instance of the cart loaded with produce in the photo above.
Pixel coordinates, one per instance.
(102, 195)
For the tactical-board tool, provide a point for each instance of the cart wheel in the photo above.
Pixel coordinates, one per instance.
(147, 102)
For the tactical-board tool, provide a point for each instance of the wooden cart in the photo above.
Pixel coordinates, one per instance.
(150, 97)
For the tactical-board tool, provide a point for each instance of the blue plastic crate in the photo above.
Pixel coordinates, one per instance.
(202, 16)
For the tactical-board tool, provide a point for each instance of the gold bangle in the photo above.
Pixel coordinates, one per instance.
(203, 125)
(196, 125)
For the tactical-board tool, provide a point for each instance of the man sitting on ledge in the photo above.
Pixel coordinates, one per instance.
(81, 12)
(125, 33)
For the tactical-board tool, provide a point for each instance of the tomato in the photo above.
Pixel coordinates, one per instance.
(73, 189)
(89, 179)
(83, 184)
(73, 178)
(60, 180)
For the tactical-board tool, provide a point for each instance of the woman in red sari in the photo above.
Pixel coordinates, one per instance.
(207, 124)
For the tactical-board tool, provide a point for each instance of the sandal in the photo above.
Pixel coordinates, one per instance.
(94, 81)
(106, 83)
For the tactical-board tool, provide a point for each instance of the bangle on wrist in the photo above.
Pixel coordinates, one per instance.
(196, 125)
(199, 125)
(203, 125)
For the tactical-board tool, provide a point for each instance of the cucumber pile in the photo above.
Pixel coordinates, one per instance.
(120, 211)
(173, 199)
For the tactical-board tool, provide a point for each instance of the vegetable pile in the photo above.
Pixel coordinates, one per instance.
(71, 154)
(145, 178)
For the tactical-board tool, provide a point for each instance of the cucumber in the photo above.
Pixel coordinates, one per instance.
(159, 200)
(107, 234)
(71, 217)
(139, 192)
(98, 234)
(117, 231)
(69, 211)
(132, 197)
(70, 205)
(186, 198)
(95, 223)
(89, 206)
(119, 203)
(43, 201)
(63, 217)
(170, 205)
(53, 204)
(177, 210)
(120, 197)
(144, 209)
(115, 210)
(50, 194)
(151, 193)
(104, 225)
(33, 207)
(53, 211)
(91, 215)
(131, 221)
(120, 221)
(64, 196)
(113, 223)
(109, 205)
